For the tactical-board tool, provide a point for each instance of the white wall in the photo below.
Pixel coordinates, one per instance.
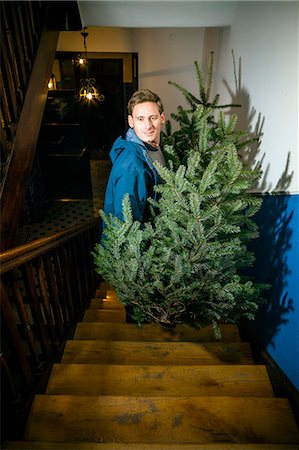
(264, 36)
(168, 55)
(98, 40)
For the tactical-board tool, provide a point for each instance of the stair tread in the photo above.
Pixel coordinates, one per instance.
(125, 387)
(105, 315)
(161, 353)
(161, 419)
(100, 379)
(38, 445)
(151, 332)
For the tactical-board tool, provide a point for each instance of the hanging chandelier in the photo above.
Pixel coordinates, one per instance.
(52, 83)
(88, 90)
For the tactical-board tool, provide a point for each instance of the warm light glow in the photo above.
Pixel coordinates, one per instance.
(52, 82)
(88, 90)
(81, 61)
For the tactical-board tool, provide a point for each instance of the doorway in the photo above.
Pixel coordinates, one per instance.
(77, 133)
(103, 121)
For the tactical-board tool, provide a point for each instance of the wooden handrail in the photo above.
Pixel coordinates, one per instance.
(13, 258)
(45, 287)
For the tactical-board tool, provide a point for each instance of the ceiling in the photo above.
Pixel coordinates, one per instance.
(156, 13)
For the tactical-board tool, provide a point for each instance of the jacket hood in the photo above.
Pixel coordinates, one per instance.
(121, 144)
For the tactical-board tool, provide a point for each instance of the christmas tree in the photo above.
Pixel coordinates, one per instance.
(186, 264)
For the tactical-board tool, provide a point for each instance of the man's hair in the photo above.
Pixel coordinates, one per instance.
(144, 95)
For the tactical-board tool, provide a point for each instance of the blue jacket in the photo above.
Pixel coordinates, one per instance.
(133, 173)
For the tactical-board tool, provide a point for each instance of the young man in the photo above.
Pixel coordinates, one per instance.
(132, 158)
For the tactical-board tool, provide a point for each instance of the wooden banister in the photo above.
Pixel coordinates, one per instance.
(45, 287)
(15, 257)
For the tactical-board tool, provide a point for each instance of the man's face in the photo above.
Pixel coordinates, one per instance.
(147, 122)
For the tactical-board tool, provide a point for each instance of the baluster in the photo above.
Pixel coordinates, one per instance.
(88, 263)
(32, 290)
(38, 10)
(45, 302)
(84, 269)
(25, 17)
(5, 151)
(33, 25)
(7, 122)
(25, 321)
(8, 83)
(89, 246)
(11, 325)
(64, 260)
(53, 288)
(95, 233)
(15, 395)
(24, 41)
(60, 286)
(37, 13)
(10, 57)
(71, 275)
(77, 273)
(17, 43)
(71, 281)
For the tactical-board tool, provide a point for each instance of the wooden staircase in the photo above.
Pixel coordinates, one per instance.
(124, 387)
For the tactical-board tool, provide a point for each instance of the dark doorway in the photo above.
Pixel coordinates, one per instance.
(75, 131)
(102, 122)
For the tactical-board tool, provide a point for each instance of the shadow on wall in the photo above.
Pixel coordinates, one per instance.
(271, 266)
(274, 221)
(246, 116)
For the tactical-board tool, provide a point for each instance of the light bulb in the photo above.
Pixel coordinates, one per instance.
(89, 96)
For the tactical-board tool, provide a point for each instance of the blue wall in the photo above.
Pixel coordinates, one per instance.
(277, 262)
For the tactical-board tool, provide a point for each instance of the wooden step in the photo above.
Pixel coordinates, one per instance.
(38, 445)
(106, 303)
(158, 353)
(161, 419)
(152, 332)
(105, 315)
(98, 379)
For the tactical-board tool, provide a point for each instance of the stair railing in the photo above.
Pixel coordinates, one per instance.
(21, 29)
(26, 63)
(45, 287)
(29, 35)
